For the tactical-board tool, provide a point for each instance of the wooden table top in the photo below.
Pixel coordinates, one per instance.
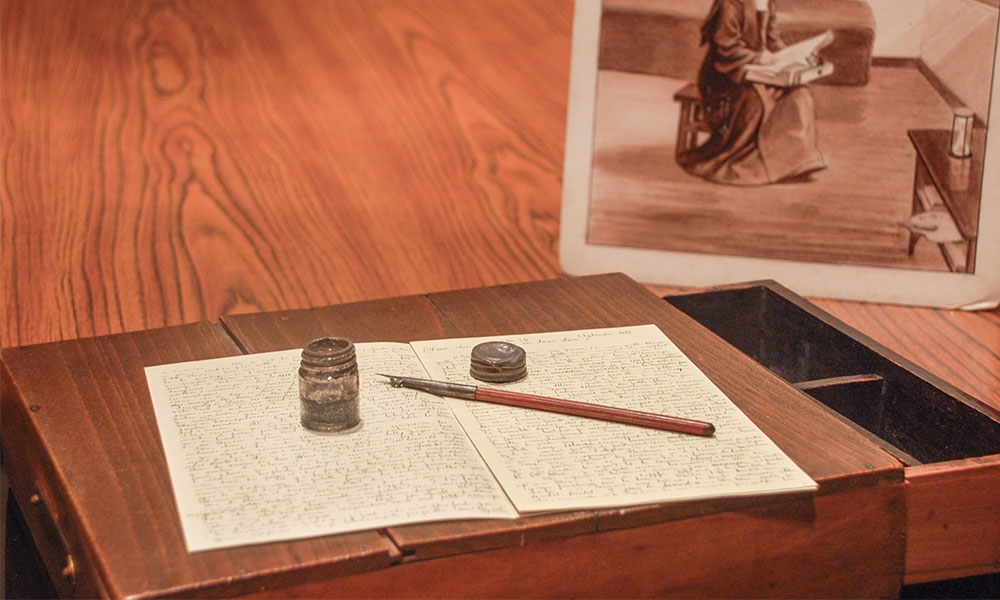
(91, 394)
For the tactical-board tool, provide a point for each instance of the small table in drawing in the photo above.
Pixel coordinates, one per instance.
(947, 189)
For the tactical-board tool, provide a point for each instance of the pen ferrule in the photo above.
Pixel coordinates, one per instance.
(441, 388)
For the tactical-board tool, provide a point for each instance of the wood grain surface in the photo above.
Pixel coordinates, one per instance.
(167, 162)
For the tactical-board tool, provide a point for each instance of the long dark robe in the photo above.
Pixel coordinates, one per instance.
(759, 134)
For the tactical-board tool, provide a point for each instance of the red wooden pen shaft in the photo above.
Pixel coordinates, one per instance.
(595, 411)
(556, 405)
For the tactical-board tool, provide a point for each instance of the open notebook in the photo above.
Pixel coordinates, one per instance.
(245, 471)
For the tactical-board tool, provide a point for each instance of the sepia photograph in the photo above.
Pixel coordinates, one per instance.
(804, 133)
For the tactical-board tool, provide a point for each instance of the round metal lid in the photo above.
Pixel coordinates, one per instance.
(498, 362)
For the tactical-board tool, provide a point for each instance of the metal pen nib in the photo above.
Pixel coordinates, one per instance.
(440, 388)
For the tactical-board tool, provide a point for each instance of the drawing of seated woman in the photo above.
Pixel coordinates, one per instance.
(760, 133)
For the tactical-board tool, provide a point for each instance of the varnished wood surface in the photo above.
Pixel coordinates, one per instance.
(90, 394)
(170, 162)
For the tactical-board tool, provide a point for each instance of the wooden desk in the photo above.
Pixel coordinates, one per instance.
(95, 486)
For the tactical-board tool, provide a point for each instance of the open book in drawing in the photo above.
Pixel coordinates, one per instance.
(797, 64)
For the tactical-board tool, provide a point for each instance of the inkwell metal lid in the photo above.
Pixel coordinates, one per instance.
(498, 362)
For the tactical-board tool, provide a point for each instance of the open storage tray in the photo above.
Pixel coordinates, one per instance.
(948, 441)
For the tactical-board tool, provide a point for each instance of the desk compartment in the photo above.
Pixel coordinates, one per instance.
(948, 441)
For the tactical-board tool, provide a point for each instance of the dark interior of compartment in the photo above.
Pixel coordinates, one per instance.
(922, 419)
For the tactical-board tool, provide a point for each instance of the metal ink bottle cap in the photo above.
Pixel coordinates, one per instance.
(498, 362)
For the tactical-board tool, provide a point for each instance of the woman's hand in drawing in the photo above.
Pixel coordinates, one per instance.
(766, 57)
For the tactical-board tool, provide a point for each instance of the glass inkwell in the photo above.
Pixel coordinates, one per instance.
(329, 388)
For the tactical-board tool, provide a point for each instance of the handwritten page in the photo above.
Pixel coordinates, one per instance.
(245, 471)
(547, 461)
